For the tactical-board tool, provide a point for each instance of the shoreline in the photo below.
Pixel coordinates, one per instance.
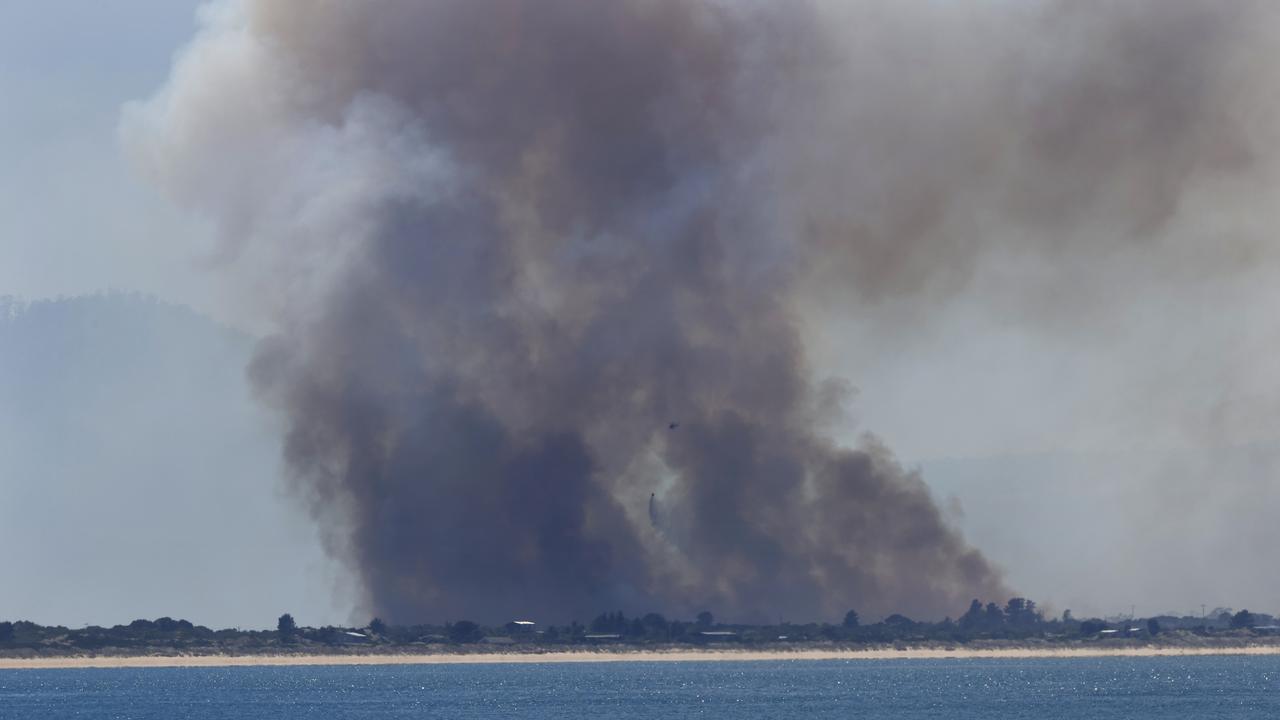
(615, 656)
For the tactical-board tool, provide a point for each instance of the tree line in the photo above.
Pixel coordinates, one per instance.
(1017, 619)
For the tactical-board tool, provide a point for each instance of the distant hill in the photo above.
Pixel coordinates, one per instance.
(59, 358)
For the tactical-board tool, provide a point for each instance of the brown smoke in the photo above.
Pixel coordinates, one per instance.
(505, 244)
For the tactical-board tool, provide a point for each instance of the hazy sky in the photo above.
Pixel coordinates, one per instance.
(156, 491)
(139, 475)
(73, 217)
(1105, 464)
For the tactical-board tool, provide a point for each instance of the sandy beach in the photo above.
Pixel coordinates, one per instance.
(622, 656)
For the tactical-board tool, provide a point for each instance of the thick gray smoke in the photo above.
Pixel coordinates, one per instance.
(541, 275)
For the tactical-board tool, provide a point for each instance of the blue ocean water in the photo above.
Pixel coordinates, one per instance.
(1201, 687)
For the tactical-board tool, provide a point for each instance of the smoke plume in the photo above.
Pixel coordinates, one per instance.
(541, 276)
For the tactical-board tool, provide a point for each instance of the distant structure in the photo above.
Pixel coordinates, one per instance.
(521, 627)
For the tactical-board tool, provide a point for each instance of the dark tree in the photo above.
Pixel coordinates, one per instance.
(655, 625)
(1021, 612)
(377, 627)
(286, 628)
(1092, 627)
(6, 632)
(851, 619)
(1153, 627)
(464, 631)
(706, 619)
(994, 615)
(1242, 619)
(974, 617)
(610, 622)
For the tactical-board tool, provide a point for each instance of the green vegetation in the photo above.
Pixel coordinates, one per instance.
(1017, 621)
(1243, 619)
(286, 628)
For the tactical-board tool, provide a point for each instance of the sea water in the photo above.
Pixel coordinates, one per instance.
(1134, 688)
